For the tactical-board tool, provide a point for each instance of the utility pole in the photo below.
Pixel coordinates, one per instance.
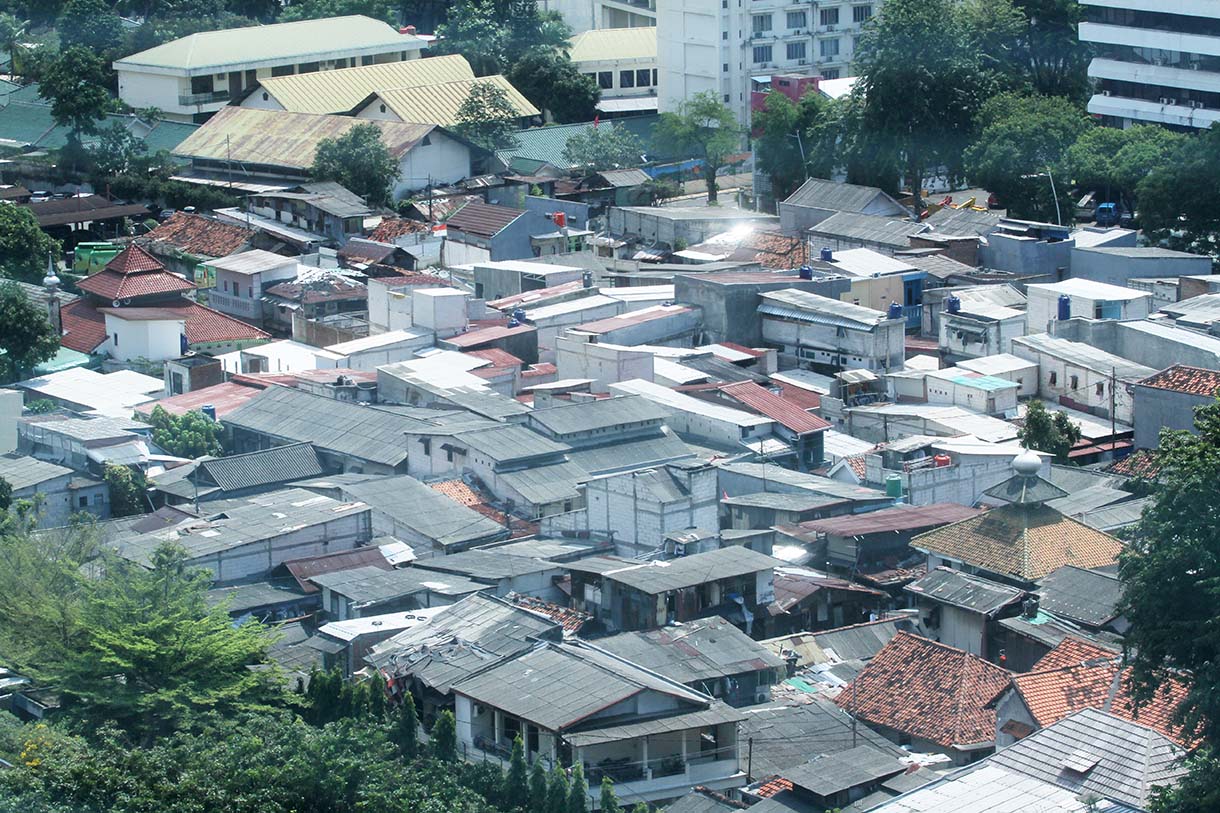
(229, 163)
(853, 710)
(749, 760)
(1113, 398)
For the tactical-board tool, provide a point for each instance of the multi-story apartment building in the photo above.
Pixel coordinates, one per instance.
(1155, 61)
(587, 15)
(733, 47)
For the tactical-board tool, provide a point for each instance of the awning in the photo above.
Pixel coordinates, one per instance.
(716, 714)
(628, 105)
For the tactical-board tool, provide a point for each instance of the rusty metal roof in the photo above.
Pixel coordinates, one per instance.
(482, 219)
(439, 103)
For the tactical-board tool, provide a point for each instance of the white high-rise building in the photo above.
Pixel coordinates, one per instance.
(1156, 61)
(734, 47)
(588, 15)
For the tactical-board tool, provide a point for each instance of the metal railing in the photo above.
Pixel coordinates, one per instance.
(203, 98)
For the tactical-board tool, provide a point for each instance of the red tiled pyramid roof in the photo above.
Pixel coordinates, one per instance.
(133, 273)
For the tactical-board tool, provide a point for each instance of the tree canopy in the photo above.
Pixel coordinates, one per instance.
(191, 434)
(358, 160)
(1021, 148)
(1047, 431)
(703, 128)
(487, 117)
(24, 247)
(26, 333)
(75, 84)
(90, 24)
(127, 490)
(795, 141)
(552, 82)
(1180, 199)
(606, 146)
(494, 35)
(1113, 161)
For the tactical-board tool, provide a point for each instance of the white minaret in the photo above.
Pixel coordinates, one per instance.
(51, 283)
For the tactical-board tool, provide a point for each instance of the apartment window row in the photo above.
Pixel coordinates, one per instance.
(764, 23)
(831, 16)
(1179, 97)
(763, 54)
(1181, 60)
(1153, 20)
(640, 78)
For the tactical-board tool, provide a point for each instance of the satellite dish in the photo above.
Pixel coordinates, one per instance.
(116, 303)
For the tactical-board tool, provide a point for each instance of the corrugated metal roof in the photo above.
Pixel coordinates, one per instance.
(695, 651)
(276, 465)
(589, 416)
(342, 90)
(776, 407)
(842, 197)
(292, 42)
(22, 472)
(427, 512)
(687, 571)
(546, 484)
(546, 144)
(617, 44)
(828, 774)
(439, 103)
(304, 569)
(281, 139)
(968, 592)
(631, 455)
(889, 520)
(790, 303)
(853, 227)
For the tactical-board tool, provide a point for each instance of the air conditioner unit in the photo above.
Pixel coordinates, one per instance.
(1105, 93)
(802, 61)
(1166, 100)
(1194, 66)
(1197, 105)
(830, 28)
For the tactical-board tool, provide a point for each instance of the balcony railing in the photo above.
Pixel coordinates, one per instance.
(191, 99)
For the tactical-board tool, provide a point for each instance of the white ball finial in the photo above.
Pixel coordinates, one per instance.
(51, 280)
(1027, 463)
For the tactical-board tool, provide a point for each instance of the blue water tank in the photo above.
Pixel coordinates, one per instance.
(894, 312)
(513, 323)
(953, 304)
(519, 314)
(1065, 307)
(805, 272)
(827, 255)
(209, 411)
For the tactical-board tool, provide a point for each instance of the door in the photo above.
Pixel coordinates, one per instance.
(234, 84)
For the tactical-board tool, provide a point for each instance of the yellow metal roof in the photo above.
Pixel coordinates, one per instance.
(282, 139)
(609, 44)
(302, 41)
(438, 104)
(340, 91)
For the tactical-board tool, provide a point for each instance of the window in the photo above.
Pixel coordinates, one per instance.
(626, 79)
(282, 70)
(828, 16)
(449, 455)
(605, 80)
(1054, 378)
(828, 47)
(202, 84)
(724, 35)
(427, 443)
(265, 97)
(796, 50)
(654, 77)
(366, 60)
(116, 340)
(797, 19)
(1075, 382)
(726, 67)
(307, 67)
(830, 73)
(250, 291)
(82, 502)
(762, 53)
(762, 23)
(643, 78)
(97, 499)
(860, 14)
(175, 383)
(382, 108)
(1101, 388)
(726, 98)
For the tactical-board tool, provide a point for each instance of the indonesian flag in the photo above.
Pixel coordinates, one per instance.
(597, 120)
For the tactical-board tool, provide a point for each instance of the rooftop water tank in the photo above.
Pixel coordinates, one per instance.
(894, 311)
(513, 323)
(893, 486)
(953, 304)
(827, 255)
(209, 411)
(519, 314)
(941, 460)
(1065, 307)
(805, 272)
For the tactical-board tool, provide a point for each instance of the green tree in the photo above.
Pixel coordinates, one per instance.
(24, 248)
(702, 128)
(553, 83)
(795, 141)
(26, 334)
(639, 807)
(578, 791)
(606, 146)
(127, 490)
(921, 83)
(358, 160)
(41, 406)
(1171, 578)
(1021, 148)
(384, 10)
(444, 737)
(153, 653)
(6, 494)
(1058, 59)
(538, 787)
(11, 32)
(1047, 431)
(376, 697)
(75, 84)
(191, 434)
(487, 117)
(405, 733)
(996, 31)
(1180, 199)
(557, 790)
(1112, 161)
(1197, 792)
(609, 802)
(90, 24)
(516, 790)
(494, 35)
(117, 151)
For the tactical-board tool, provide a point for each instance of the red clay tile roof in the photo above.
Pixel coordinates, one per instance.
(540, 369)
(391, 228)
(1026, 542)
(489, 333)
(777, 407)
(331, 289)
(571, 620)
(200, 236)
(805, 399)
(859, 466)
(85, 325)
(401, 280)
(463, 493)
(1181, 378)
(497, 357)
(927, 690)
(1141, 464)
(304, 569)
(84, 328)
(134, 258)
(774, 250)
(772, 786)
(1061, 684)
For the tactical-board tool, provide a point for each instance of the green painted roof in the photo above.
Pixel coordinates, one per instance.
(547, 143)
(29, 123)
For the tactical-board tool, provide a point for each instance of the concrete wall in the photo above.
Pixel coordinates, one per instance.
(255, 558)
(1059, 377)
(1046, 262)
(1156, 409)
(729, 310)
(11, 404)
(997, 335)
(152, 339)
(443, 161)
(1116, 269)
(637, 517)
(879, 349)
(604, 363)
(667, 226)
(57, 502)
(1043, 307)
